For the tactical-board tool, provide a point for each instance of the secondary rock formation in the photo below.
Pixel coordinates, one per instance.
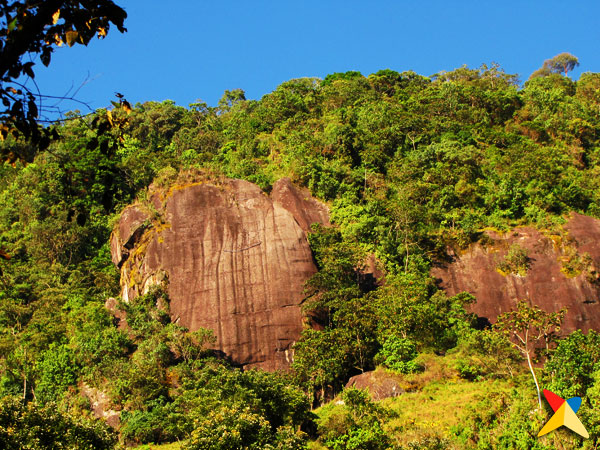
(562, 272)
(101, 405)
(235, 258)
(379, 383)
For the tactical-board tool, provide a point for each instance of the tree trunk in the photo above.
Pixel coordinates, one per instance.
(24, 375)
(406, 260)
(537, 386)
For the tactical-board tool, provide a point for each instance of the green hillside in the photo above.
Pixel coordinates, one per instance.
(408, 164)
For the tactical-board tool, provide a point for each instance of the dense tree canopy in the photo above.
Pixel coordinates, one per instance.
(409, 166)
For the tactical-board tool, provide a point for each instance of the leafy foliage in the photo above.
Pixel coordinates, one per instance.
(485, 353)
(32, 427)
(570, 371)
(28, 28)
(516, 261)
(561, 63)
(399, 354)
(409, 165)
(360, 427)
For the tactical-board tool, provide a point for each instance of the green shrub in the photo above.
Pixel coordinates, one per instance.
(160, 422)
(399, 354)
(516, 261)
(360, 428)
(569, 370)
(57, 370)
(370, 437)
(30, 426)
(485, 353)
(428, 443)
(574, 264)
(230, 428)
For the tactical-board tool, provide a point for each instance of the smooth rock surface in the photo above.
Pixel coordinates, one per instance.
(235, 259)
(305, 209)
(545, 285)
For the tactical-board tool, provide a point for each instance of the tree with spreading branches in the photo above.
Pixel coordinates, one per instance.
(530, 329)
(561, 63)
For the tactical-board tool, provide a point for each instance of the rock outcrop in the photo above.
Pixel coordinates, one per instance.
(235, 259)
(379, 383)
(101, 405)
(562, 272)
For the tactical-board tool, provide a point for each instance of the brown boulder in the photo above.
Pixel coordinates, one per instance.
(379, 383)
(547, 283)
(236, 261)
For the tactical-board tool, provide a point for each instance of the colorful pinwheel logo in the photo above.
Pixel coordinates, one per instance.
(564, 414)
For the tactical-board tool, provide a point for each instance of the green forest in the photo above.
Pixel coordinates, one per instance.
(409, 165)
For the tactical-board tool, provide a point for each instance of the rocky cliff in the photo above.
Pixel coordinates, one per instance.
(236, 260)
(561, 271)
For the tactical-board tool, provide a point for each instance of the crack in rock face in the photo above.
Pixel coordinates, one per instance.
(236, 261)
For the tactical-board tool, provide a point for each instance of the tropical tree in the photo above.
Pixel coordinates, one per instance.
(530, 327)
(230, 98)
(561, 63)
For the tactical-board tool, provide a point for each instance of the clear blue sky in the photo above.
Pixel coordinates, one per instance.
(189, 49)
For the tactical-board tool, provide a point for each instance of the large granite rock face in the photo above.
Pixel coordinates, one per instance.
(545, 284)
(235, 258)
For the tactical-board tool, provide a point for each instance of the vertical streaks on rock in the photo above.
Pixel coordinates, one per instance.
(236, 262)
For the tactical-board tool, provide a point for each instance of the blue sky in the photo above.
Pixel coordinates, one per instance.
(189, 49)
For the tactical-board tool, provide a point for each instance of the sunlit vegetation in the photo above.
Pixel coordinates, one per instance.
(408, 164)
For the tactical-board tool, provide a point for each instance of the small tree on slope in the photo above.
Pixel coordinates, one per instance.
(529, 329)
